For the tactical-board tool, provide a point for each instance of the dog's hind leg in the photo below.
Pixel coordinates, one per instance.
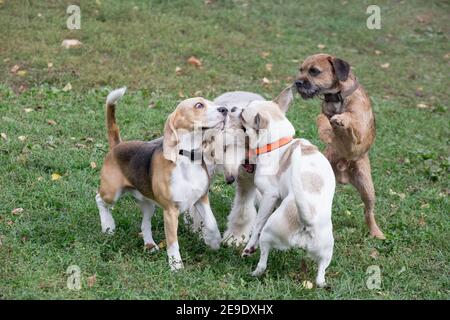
(324, 261)
(243, 213)
(361, 179)
(264, 247)
(148, 209)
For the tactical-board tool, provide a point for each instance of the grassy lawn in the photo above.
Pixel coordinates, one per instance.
(47, 130)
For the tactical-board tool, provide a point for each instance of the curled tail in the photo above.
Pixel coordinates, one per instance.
(111, 125)
(301, 200)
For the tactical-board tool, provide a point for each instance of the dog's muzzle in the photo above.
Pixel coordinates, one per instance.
(305, 89)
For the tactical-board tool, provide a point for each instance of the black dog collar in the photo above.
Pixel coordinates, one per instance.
(193, 155)
(340, 96)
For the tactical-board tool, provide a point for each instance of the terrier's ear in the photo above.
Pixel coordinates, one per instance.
(284, 99)
(170, 141)
(341, 68)
(261, 122)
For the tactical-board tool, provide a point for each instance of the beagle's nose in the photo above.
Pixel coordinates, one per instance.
(223, 110)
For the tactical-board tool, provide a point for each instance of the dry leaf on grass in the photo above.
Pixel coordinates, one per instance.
(50, 65)
(51, 122)
(17, 211)
(10, 223)
(71, 43)
(385, 65)
(378, 52)
(266, 81)
(374, 254)
(178, 71)
(423, 106)
(264, 54)
(162, 244)
(4, 136)
(422, 222)
(56, 176)
(307, 284)
(15, 68)
(27, 110)
(194, 61)
(21, 73)
(91, 280)
(321, 46)
(93, 165)
(67, 87)
(22, 138)
(269, 67)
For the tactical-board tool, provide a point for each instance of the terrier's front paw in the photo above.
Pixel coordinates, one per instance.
(338, 121)
(175, 264)
(258, 272)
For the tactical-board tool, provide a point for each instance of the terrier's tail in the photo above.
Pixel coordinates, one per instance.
(111, 125)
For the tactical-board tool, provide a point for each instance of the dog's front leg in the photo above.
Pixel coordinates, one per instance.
(265, 210)
(171, 228)
(211, 233)
(344, 124)
(242, 215)
(324, 128)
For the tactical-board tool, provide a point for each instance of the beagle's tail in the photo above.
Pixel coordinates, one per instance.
(301, 199)
(113, 129)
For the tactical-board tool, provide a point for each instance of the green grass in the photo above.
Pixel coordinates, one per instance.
(141, 48)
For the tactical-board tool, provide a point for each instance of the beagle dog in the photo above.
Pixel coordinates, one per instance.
(168, 172)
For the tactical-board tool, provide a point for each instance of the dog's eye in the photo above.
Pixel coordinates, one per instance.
(199, 105)
(314, 71)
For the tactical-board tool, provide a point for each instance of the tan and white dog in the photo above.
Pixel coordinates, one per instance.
(167, 172)
(294, 174)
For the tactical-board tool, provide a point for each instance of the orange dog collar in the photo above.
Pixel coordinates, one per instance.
(269, 147)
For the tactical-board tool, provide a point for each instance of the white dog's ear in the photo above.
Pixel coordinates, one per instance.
(284, 99)
(170, 142)
(261, 122)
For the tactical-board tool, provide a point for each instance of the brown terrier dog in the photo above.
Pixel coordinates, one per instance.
(346, 124)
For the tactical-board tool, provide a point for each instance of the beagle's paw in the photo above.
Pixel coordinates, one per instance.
(248, 252)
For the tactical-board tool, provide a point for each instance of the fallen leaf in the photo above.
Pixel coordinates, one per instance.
(348, 212)
(93, 165)
(91, 280)
(269, 67)
(403, 269)
(194, 61)
(17, 211)
(424, 18)
(50, 65)
(447, 56)
(374, 254)
(385, 65)
(21, 73)
(40, 178)
(4, 136)
(51, 122)
(378, 52)
(181, 94)
(307, 284)
(56, 176)
(423, 106)
(266, 81)
(27, 110)
(197, 93)
(178, 71)
(67, 87)
(80, 145)
(22, 138)
(321, 46)
(422, 222)
(425, 206)
(10, 223)
(400, 195)
(162, 244)
(71, 43)
(264, 54)
(15, 68)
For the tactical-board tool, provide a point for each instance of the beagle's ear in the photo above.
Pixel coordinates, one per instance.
(261, 122)
(284, 99)
(341, 68)
(170, 141)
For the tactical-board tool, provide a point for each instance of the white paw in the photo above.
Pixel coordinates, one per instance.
(213, 240)
(258, 272)
(109, 229)
(152, 247)
(321, 284)
(175, 264)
